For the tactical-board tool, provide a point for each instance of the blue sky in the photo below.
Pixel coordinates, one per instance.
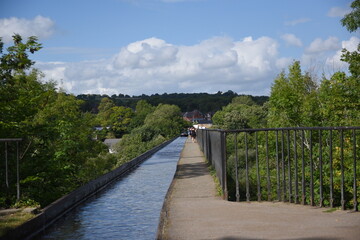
(156, 46)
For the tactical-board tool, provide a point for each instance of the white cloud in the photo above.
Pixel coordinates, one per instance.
(40, 26)
(147, 53)
(292, 40)
(334, 63)
(154, 66)
(319, 45)
(338, 12)
(297, 21)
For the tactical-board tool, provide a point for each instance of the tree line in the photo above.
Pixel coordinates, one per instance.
(204, 102)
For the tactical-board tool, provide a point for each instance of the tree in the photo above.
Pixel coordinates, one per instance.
(292, 96)
(352, 20)
(120, 119)
(242, 113)
(339, 98)
(56, 134)
(105, 110)
(352, 23)
(166, 120)
(143, 108)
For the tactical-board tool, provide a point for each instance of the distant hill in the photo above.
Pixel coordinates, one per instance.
(204, 102)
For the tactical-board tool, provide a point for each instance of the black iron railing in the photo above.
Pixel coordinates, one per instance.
(7, 142)
(307, 165)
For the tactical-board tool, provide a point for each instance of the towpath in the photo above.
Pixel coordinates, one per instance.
(193, 211)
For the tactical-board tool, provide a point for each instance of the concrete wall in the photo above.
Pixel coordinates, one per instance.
(60, 207)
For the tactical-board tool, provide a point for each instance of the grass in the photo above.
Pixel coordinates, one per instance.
(11, 221)
(212, 171)
(330, 210)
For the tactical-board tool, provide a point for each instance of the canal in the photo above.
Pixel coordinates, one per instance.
(128, 209)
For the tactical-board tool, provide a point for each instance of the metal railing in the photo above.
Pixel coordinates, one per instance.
(307, 165)
(7, 142)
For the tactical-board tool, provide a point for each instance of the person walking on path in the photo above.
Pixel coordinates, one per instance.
(193, 134)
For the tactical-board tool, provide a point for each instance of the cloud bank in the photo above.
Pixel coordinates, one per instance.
(40, 26)
(152, 65)
(155, 66)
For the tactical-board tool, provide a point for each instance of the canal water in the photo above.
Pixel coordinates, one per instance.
(128, 209)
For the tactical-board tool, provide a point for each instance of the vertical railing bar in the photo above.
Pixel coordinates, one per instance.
(354, 181)
(237, 170)
(331, 171)
(296, 171)
(267, 167)
(312, 202)
(257, 167)
(342, 168)
(303, 188)
(283, 166)
(17, 172)
(277, 167)
(6, 166)
(321, 169)
(289, 166)
(223, 140)
(247, 169)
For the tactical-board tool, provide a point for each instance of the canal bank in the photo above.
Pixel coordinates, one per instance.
(193, 211)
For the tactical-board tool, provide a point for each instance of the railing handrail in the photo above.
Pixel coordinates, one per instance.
(283, 128)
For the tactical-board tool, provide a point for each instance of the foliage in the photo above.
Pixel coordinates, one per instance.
(143, 108)
(56, 134)
(242, 113)
(352, 20)
(293, 101)
(115, 120)
(204, 102)
(160, 124)
(352, 23)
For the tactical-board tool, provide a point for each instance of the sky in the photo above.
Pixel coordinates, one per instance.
(139, 47)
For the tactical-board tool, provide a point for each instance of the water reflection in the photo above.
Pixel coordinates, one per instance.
(130, 208)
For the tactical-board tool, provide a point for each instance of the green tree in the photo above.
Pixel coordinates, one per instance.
(293, 99)
(242, 113)
(56, 134)
(339, 98)
(352, 23)
(143, 108)
(105, 110)
(166, 120)
(120, 119)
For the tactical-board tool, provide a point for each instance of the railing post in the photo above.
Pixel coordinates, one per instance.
(247, 170)
(283, 166)
(289, 166)
(237, 170)
(223, 156)
(331, 171)
(321, 170)
(277, 167)
(257, 168)
(354, 180)
(267, 167)
(342, 169)
(17, 173)
(303, 188)
(6, 166)
(312, 202)
(296, 170)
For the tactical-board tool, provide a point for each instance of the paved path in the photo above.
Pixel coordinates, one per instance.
(194, 212)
